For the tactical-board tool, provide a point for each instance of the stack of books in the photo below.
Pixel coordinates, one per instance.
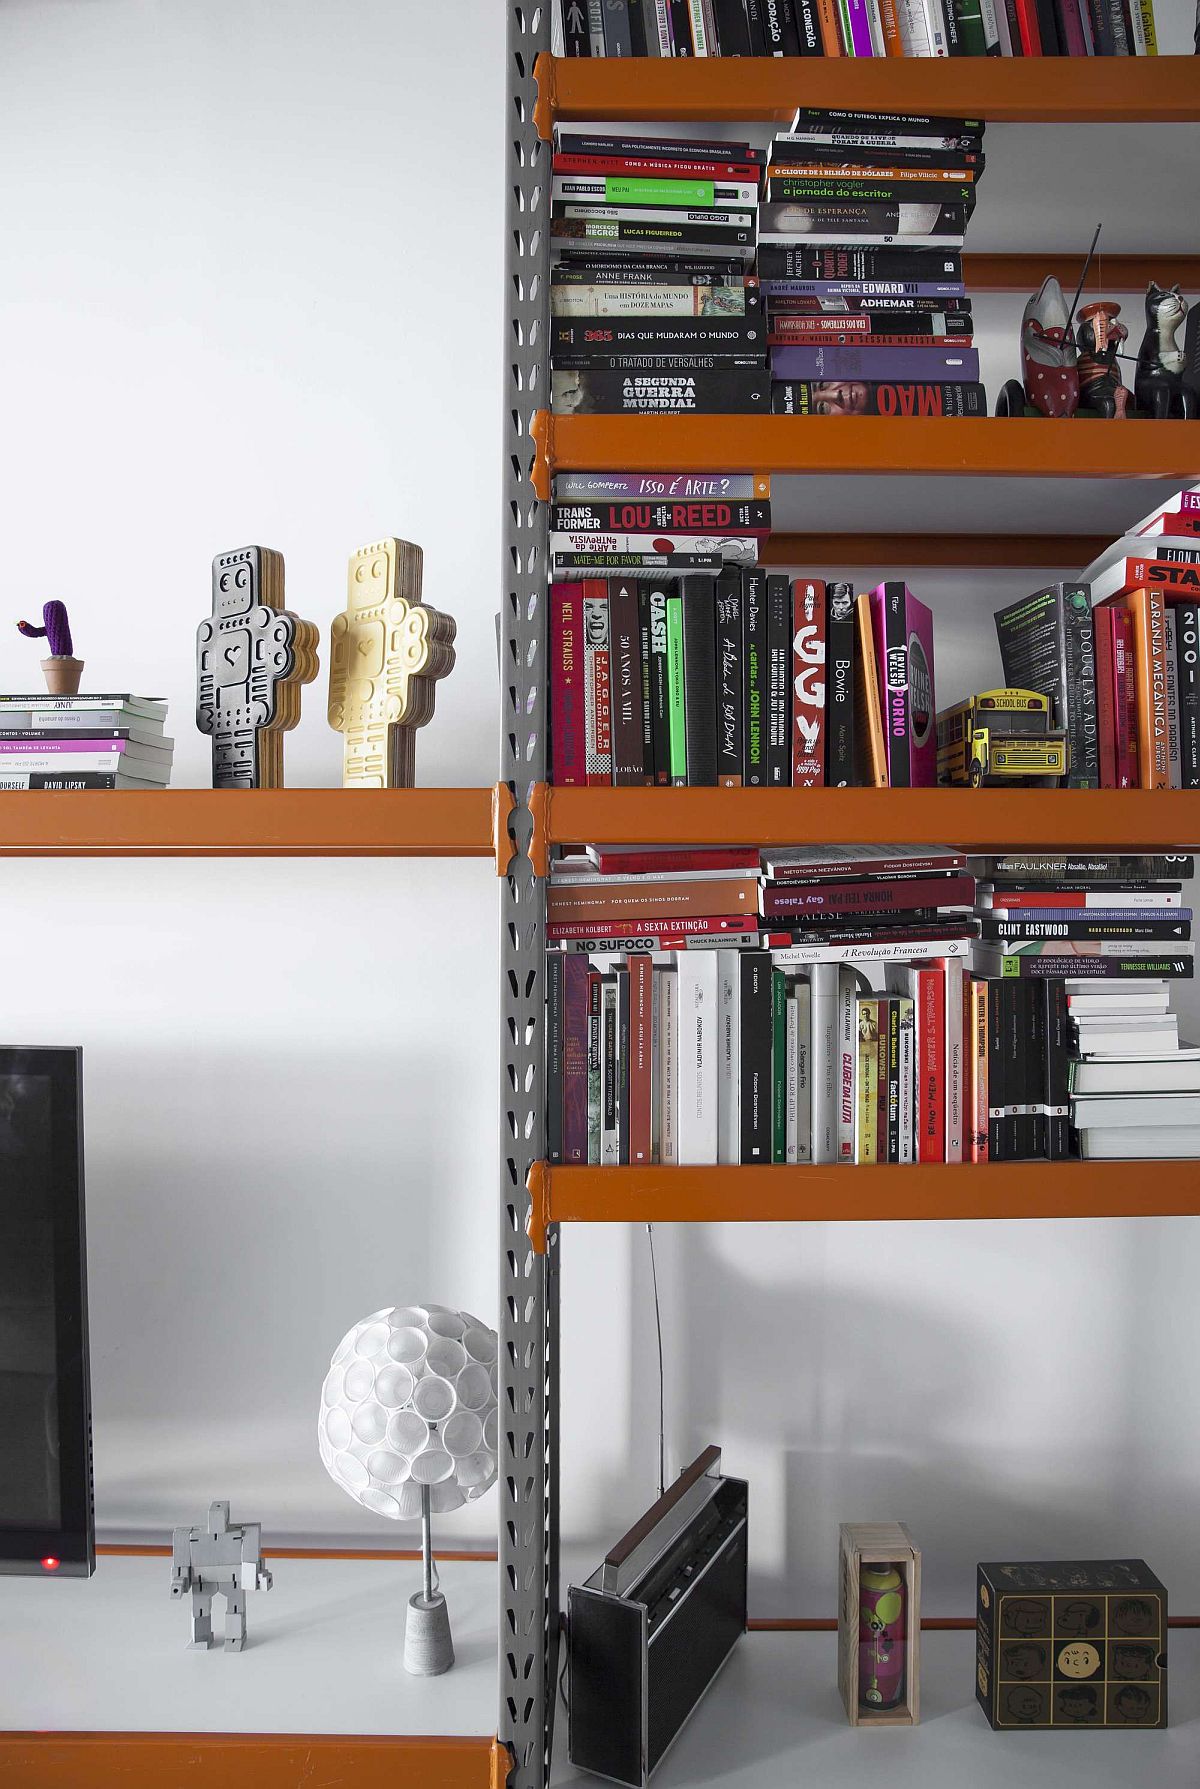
(860, 259)
(1135, 1088)
(853, 28)
(84, 742)
(653, 307)
(749, 678)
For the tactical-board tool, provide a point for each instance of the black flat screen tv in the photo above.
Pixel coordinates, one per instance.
(46, 1516)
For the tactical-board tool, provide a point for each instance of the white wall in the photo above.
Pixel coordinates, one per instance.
(252, 291)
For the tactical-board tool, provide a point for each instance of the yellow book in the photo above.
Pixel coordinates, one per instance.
(866, 1142)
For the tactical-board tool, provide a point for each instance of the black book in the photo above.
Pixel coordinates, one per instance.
(836, 121)
(1048, 643)
(662, 515)
(808, 28)
(877, 397)
(681, 28)
(817, 261)
(554, 1056)
(625, 672)
(839, 686)
(1032, 1121)
(837, 217)
(1187, 688)
(787, 27)
(754, 967)
(647, 719)
(837, 155)
(660, 702)
(700, 679)
(731, 680)
(638, 44)
(815, 189)
(577, 39)
(617, 38)
(591, 341)
(1163, 930)
(997, 1135)
(733, 30)
(875, 322)
(1048, 30)
(659, 148)
(624, 1057)
(756, 24)
(1072, 869)
(584, 268)
(893, 1080)
(669, 393)
(779, 664)
(610, 1095)
(754, 638)
(1058, 1070)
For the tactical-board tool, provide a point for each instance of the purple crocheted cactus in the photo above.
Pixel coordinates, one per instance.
(56, 632)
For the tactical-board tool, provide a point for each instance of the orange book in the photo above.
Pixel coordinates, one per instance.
(605, 898)
(1149, 613)
(831, 37)
(868, 713)
(891, 27)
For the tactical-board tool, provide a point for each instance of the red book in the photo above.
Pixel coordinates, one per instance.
(931, 1085)
(575, 1059)
(641, 972)
(1027, 25)
(1106, 710)
(808, 683)
(567, 726)
(640, 861)
(869, 897)
(1125, 700)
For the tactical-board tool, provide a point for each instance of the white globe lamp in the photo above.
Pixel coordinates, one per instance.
(408, 1427)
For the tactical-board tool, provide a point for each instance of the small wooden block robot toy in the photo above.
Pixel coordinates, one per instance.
(388, 652)
(218, 1560)
(252, 656)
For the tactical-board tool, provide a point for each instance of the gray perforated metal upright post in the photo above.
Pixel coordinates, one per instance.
(528, 1282)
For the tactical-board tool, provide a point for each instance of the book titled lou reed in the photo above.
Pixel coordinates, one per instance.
(903, 633)
(809, 631)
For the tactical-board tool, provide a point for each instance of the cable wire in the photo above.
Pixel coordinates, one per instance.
(662, 1440)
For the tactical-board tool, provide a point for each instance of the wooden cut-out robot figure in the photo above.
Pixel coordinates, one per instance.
(218, 1560)
(252, 656)
(388, 651)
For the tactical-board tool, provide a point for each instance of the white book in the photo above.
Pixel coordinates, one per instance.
(803, 1002)
(610, 1102)
(1100, 1006)
(668, 1064)
(595, 14)
(1106, 574)
(558, 45)
(799, 956)
(729, 1089)
(1108, 1111)
(144, 767)
(655, 1086)
(907, 1077)
(824, 1031)
(914, 34)
(659, 34)
(699, 1052)
(954, 1059)
(791, 1070)
(1107, 1043)
(1115, 990)
(1159, 1142)
(1178, 1072)
(847, 1066)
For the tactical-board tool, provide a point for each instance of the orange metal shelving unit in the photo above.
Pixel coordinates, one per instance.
(258, 823)
(884, 1194)
(248, 1761)
(1156, 90)
(1012, 550)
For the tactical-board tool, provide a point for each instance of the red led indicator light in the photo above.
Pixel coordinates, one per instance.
(50, 1563)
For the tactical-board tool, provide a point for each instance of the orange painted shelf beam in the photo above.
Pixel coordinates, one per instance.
(980, 447)
(242, 1761)
(258, 823)
(1012, 550)
(1112, 273)
(973, 819)
(860, 1195)
(1157, 90)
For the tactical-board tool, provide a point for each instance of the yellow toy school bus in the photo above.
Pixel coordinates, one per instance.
(1001, 736)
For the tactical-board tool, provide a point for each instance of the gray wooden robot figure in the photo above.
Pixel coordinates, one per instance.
(218, 1560)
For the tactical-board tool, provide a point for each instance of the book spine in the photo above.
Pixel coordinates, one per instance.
(1106, 714)
(659, 694)
(931, 1043)
(1079, 638)
(681, 27)
(823, 1060)
(889, 19)
(822, 361)
(922, 705)
(597, 686)
(840, 717)
(1145, 10)
(648, 764)
(641, 1062)
(617, 38)
(756, 24)
(754, 619)
(554, 1058)
(699, 29)
(791, 1072)
(595, 1066)
(639, 43)
(889, 603)
(847, 1046)
(629, 765)
(725, 391)
(808, 27)
(880, 397)
(997, 1009)
(1150, 665)
(870, 747)
(574, 1060)
(595, 19)
(808, 683)
(733, 31)
(568, 725)
(1187, 681)
(675, 692)
(955, 1048)
(1047, 18)
(730, 681)
(893, 1078)
(1125, 700)
(907, 1079)
(700, 680)
(624, 1060)
(699, 1049)
(866, 1105)
(1027, 20)
(856, 27)
(1173, 757)
(610, 1141)
(729, 1088)
(755, 1060)
(831, 36)
(779, 1090)
(779, 706)
(980, 1027)
(990, 17)
(668, 1064)
(802, 1001)
(1059, 1054)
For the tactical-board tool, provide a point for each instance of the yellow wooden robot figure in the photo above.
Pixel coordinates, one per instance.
(388, 651)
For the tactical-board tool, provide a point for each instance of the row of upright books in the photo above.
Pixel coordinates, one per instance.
(853, 28)
(84, 742)
(704, 277)
(870, 1004)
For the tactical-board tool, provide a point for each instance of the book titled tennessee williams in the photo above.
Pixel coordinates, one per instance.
(808, 683)
(724, 392)
(885, 397)
(903, 629)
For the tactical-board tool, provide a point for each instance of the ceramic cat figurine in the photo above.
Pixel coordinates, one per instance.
(1158, 385)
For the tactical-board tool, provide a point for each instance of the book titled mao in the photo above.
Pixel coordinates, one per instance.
(903, 631)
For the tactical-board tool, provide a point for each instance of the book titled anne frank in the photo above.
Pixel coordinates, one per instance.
(861, 360)
(903, 630)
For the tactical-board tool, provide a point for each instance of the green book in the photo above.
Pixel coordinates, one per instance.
(678, 731)
(779, 993)
(968, 16)
(619, 190)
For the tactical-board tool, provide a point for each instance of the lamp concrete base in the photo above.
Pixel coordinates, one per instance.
(428, 1647)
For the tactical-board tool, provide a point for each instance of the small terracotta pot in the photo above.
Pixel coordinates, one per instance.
(62, 675)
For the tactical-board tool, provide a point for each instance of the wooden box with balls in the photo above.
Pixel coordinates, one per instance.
(879, 1624)
(1071, 1643)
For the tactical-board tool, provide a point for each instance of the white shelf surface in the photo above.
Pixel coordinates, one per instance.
(324, 1653)
(774, 1718)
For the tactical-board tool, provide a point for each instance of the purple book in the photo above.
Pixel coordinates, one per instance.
(903, 630)
(824, 360)
(575, 1059)
(864, 290)
(854, 17)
